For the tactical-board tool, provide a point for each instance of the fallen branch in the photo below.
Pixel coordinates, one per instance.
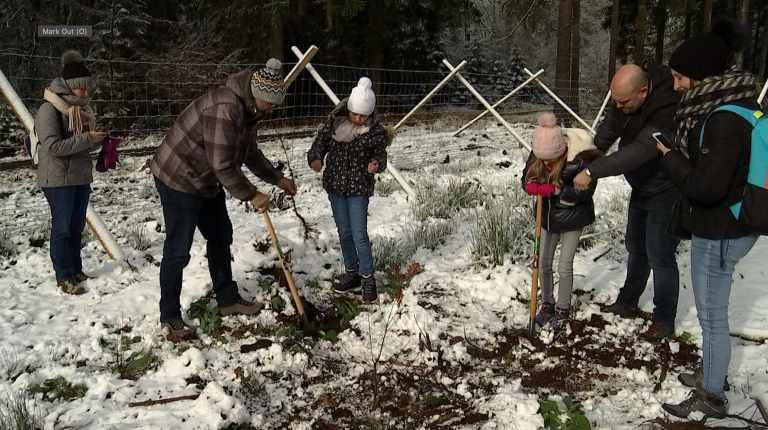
(603, 254)
(163, 401)
(758, 339)
(664, 365)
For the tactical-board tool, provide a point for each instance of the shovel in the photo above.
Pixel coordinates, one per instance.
(535, 272)
(308, 326)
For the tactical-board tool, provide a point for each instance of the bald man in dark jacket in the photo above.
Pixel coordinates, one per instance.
(645, 102)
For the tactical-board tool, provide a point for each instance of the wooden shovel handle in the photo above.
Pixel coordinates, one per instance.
(536, 246)
(288, 275)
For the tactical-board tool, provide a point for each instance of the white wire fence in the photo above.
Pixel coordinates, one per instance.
(139, 101)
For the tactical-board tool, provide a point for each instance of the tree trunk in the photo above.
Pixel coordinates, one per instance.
(376, 28)
(707, 18)
(276, 35)
(563, 62)
(741, 15)
(661, 29)
(642, 18)
(688, 18)
(764, 54)
(575, 55)
(614, 40)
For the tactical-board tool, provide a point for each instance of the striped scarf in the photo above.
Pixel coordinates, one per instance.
(78, 115)
(712, 93)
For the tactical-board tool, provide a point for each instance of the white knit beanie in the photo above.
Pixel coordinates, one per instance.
(362, 101)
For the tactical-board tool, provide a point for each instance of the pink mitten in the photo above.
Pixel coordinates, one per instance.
(532, 188)
(547, 190)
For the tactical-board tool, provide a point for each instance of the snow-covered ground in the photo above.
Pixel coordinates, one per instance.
(448, 353)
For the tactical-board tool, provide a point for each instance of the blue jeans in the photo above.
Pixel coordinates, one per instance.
(68, 208)
(712, 263)
(351, 216)
(183, 213)
(651, 248)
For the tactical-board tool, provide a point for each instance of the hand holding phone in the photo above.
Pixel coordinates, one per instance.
(663, 140)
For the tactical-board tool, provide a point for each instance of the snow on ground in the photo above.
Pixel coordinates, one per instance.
(448, 353)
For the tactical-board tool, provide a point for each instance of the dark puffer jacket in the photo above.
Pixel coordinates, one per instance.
(571, 209)
(637, 158)
(346, 164)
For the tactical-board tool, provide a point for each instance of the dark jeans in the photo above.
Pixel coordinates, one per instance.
(351, 216)
(651, 248)
(68, 207)
(183, 213)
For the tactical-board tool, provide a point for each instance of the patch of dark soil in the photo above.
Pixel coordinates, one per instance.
(573, 362)
(197, 381)
(342, 413)
(259, 344)
(322, 425)
(263, 246)
(431, 306)
(4, 194)
(472, 146)
(504, 164)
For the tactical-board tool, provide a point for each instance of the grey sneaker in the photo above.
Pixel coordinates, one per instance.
(70, 286)
(178, 330)
(370, 293)
(350, 282)
(81, 277)
(623, 311)
(709, 404)
(546, 314)
(691, 379)
(241, 307)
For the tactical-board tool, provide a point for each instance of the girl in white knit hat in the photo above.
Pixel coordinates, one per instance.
(352, 144)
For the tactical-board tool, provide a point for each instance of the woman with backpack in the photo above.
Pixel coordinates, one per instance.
(549, 173)
(66, 128)
(710, 166)
(352, 144)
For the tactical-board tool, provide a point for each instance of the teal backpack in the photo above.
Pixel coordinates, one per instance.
(752, 210)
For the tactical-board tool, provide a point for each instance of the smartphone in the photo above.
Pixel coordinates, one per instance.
(663, 140)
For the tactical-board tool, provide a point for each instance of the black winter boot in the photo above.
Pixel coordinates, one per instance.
(348, 283)
(370, 293)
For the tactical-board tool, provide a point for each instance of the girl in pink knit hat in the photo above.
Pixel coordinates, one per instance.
(558, 156)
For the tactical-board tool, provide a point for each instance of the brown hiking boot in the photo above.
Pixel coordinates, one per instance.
(623, 311)
(70, 286)
(241, 307)
(178, 331)
(81, 277)
(658, 331)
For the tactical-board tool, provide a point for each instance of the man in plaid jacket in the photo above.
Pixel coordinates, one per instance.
(201, 156)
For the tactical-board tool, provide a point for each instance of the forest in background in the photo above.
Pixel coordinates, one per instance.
(196, 43)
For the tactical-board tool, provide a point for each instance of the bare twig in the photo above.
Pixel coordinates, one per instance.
(664, 347)
(163, 401)
(474, 345)
(309, 229)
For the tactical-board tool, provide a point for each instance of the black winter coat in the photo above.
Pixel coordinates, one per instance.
(637, 158)
(346, 164)
(716, 174)
(571, 209)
